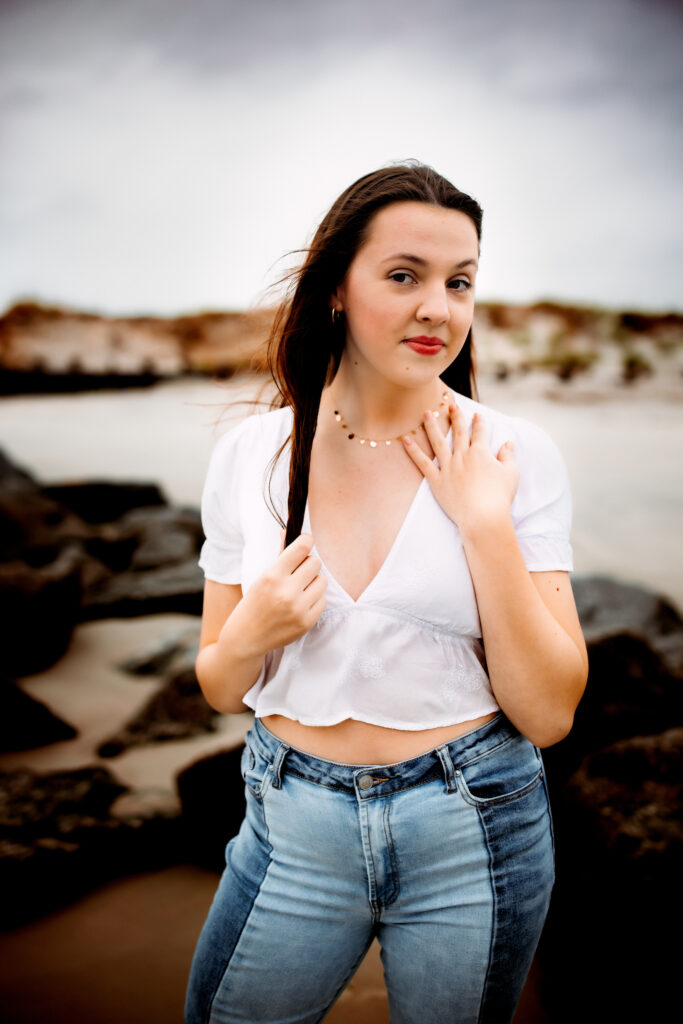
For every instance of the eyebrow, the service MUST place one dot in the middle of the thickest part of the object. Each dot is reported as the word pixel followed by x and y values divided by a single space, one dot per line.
pixel 470 262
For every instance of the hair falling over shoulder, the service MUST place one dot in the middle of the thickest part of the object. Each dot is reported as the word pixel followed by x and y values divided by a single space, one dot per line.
pixel 305 345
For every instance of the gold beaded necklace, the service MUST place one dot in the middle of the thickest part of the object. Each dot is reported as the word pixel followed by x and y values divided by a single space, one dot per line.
pixel 373 443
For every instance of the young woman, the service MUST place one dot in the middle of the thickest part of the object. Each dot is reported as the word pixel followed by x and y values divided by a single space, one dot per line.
pixel 387 587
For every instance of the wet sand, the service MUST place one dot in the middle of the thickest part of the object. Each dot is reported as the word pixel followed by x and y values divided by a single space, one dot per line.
pixel 122 954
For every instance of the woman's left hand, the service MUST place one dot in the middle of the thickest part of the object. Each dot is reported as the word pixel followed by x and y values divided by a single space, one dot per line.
pixel 471 484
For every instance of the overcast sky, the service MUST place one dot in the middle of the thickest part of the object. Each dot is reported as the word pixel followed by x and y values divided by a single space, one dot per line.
pixel 161 155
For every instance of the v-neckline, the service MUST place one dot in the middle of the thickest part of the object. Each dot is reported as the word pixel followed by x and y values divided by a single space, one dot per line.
pixel 401 529
pixel 306 528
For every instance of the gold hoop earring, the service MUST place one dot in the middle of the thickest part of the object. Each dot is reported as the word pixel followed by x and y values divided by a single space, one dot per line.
pixel 335 315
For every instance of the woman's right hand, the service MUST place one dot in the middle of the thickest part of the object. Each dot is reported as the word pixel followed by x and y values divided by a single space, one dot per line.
pixel 283 603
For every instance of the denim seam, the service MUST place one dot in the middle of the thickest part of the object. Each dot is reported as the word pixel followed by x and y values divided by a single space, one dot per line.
pixel 494 916
pixel 246 920
pixel 375 903
pixel 390 843
pixel 485 753
pixel 348 977
pixel 550 815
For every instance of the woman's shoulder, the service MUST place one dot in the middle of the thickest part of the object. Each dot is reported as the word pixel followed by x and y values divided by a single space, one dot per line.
pixel 246 448
pixel 270 428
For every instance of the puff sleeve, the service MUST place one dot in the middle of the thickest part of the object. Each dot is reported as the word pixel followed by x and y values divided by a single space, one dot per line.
pixel 221 554
pixel 542 507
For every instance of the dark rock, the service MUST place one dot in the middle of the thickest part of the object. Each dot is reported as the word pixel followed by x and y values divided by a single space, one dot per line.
pixel 608 951
pixel 176 711
pixel 610 808
pixel 108 554
pixel 630 797
pixel 160 536
pixel 12 474
pixel 175 588
pixel 635 644
pixel 101 501
pixel 608 607
pixel 77 552
pixel 31 521
pixel 27 723
pixel 135 555
pixel 28 799
pixel 40 382
pixel 58 839
pixel 212 796
pixel 39 607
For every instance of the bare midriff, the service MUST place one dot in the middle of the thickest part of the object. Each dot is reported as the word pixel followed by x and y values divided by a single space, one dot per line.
pixel 360 743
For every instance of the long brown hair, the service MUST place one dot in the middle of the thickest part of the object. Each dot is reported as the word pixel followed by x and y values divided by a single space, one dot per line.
pixel 305 346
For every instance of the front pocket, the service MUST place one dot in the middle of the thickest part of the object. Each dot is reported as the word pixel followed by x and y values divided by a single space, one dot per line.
pixel 507 772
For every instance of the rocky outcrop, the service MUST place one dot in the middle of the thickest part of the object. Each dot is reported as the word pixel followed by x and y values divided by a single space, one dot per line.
pixel 100 501
pixel 27 723
pixel 609 950
pixel 176 711
pixel 39 607
pixel 635 650
pixel 58 839
pixel 51 349
pixel 86 550
pixel 616 799
pixel 212 796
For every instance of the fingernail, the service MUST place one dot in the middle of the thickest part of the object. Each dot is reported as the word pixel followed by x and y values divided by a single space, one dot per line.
pixel 407 440
pixel 428 414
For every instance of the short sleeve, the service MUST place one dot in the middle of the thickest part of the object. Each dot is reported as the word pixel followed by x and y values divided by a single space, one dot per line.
pixel 221 554
pixel 542 507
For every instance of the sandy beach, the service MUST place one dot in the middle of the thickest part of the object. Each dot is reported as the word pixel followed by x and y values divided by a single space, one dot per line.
pixel 122 952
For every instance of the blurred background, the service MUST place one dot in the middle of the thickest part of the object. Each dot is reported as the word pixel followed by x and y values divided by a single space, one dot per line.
pixel 161 164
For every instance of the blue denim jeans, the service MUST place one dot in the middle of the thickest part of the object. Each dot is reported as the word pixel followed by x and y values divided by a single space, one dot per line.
pixel 446 858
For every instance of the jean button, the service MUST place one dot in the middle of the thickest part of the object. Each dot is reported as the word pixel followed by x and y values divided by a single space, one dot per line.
pixel 365 782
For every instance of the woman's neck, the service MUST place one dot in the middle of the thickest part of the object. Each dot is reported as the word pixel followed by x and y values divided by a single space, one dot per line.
pixel 380 408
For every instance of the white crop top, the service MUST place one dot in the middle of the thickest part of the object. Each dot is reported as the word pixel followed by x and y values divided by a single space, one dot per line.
pixel 408 653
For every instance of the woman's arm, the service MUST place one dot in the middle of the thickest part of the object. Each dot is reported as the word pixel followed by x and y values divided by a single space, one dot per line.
pixel 224 672
pixel 238 631
pixel 535 651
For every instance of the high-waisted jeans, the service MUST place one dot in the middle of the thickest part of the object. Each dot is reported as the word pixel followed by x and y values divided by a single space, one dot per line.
pixel 446 858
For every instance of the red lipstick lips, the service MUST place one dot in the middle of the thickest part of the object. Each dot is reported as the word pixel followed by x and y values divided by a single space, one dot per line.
pixel 424 345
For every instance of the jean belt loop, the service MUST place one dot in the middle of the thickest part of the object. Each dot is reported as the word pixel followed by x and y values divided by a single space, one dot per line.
pixel 448 770
pixel 278 760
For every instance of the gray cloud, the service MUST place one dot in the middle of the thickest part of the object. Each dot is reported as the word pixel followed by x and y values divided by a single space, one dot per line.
pixel 247 117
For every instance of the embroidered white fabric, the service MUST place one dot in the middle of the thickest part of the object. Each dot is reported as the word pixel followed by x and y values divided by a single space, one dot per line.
pixel 408 653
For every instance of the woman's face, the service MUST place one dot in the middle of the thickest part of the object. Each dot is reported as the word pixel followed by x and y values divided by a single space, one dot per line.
pixel 408 295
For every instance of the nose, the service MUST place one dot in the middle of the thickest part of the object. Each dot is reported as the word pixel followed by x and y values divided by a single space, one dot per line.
pixel 433 307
